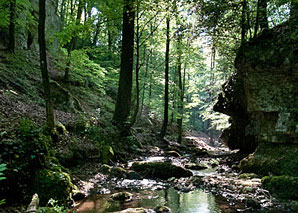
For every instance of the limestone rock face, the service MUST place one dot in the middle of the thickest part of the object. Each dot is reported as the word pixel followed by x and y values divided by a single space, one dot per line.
pixel 262 98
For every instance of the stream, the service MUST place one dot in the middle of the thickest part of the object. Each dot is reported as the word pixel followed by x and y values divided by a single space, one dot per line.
pixel 194 201
pixel 217 188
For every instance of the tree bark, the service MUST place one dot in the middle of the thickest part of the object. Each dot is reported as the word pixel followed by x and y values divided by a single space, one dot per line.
pixel 166 95
pixel 134 116
pixel 263 15
pixel 123 103
pixel 243 20
pixel 43 65
pixel 12 20
pixel 180 92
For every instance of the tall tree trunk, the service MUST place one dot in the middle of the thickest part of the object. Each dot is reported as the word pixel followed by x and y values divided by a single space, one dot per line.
pixel 62 13
pixel 263 15
pixel 243 20
pixel 12 20
pixel 144 83
pixel 166 95
pixel 134 116
pixel 180 93
pixel 261 18
pixel 43 65
pixel 123 103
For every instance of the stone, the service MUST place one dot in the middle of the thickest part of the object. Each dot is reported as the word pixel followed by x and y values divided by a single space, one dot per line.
pixel 194 166
pixel 134 210
pixel 118 172
pixel 294 205
pixel 53 184
pixel 122 196
pixel 248 176
pixel 162 170
pixel 132 175
pixel 285 187
pixel 172 154
pixel 162 209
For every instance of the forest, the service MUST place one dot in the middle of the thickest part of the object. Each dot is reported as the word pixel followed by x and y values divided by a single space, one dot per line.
pixel 137 106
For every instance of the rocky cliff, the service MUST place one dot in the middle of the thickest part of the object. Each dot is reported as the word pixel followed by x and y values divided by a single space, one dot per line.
pixel 262 97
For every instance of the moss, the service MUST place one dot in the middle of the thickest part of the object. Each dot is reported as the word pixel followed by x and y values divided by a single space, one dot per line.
pixel 53 184
pixel 269 158
pixel 162 170
pixel 285 187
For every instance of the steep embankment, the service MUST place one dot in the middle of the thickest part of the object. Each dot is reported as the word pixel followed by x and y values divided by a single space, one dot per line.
pixel 262 100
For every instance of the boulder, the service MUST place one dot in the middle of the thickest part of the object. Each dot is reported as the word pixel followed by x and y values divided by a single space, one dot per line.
pixel 162 209
pixel 53 184
pixel 194 166
pixel 162 170
pixel 134 210
pixel 285 187
pixel 122 196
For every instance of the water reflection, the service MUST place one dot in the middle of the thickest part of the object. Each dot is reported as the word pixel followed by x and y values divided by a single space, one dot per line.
pixel 179 202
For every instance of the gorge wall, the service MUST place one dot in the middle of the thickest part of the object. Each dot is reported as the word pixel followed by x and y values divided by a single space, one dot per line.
pixel 262 97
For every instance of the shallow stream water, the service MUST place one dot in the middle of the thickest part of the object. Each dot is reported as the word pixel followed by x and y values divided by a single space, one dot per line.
pixel 196 201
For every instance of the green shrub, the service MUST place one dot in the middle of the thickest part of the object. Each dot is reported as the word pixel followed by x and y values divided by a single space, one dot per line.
pixel 285 187
pixel 2 168
pixel 53 184
pixel 24 152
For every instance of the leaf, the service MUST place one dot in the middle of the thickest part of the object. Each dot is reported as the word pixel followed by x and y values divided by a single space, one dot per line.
pixel 111 150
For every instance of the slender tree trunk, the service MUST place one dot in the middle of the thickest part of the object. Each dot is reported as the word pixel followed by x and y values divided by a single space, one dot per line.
pixel 180 93
pixel 62 13
pixel 134 116
pixel 71 7
pixel 144 83
pixel 12 20
pixel 243 20
pixel 43 66
pixel 166 95
pixel 123 103
pixel 263 15
pixel 261 18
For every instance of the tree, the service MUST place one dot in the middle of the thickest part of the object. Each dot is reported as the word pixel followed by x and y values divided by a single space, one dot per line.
pixel 166 89
pixel 43 65
pixel 123 102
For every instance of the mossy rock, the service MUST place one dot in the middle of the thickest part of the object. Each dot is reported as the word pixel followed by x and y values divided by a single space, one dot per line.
pixel 134 210
pixel 122 196
pixel 285 187
pixel 248 176
pixel 61 129
pixel 53 184
pixel 162 170
pixel 270 158
pixel 118 172
pixel 162 209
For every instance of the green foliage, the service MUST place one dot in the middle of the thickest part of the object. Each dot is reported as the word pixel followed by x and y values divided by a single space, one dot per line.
pixel 24 151
pixel 53 184
pixel 285 187
pixel 54 208
pixel 2 177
